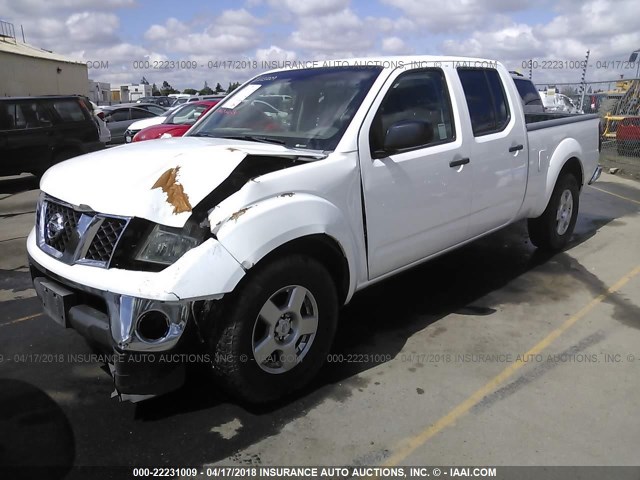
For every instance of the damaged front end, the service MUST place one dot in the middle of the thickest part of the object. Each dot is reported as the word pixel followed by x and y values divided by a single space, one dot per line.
pixel 136 285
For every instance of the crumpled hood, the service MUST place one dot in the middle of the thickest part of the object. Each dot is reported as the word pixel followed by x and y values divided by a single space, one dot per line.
pixel 121 180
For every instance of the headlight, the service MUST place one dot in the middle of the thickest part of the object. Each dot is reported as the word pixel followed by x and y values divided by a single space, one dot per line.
pixel 165 245
pixel 166 135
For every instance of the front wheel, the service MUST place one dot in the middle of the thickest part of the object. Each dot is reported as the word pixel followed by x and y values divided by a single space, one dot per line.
pixel 276 331
pixel 553 229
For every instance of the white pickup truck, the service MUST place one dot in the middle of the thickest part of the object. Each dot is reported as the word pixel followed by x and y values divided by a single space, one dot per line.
pixel 238 243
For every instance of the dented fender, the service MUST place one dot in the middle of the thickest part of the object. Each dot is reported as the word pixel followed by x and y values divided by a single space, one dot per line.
pixel 252 232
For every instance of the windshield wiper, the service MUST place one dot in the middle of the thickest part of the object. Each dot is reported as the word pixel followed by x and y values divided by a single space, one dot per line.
pixel 254 138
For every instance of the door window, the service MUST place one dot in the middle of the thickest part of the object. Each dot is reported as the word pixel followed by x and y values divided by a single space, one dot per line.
pixel 118 115
pixel 137 113
pixel 416 96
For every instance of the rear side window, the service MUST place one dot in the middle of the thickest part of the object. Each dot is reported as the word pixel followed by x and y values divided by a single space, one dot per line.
pixel 69 110
pixel 486 100
pixel 528 92
pixel 139 113
pixel 118 115
pixel 23 115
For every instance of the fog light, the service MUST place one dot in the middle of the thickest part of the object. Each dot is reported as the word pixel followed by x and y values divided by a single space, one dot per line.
pixel 152 326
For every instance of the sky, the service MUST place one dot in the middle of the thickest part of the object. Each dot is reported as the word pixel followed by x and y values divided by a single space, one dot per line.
pixel 120 38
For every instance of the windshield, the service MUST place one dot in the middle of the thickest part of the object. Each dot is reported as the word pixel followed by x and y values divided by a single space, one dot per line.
pixel 186 115
pixel 298 108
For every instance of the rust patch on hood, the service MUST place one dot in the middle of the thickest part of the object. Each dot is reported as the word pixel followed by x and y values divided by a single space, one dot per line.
pixel 174 190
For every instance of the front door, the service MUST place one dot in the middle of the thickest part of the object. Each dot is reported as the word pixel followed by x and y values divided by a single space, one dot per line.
pixel 417 199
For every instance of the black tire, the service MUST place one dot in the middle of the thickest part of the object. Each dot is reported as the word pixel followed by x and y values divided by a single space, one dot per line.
pixel 544 231
pixel 234 337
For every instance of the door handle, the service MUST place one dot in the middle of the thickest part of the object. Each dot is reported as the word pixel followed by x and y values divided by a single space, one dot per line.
pixel 516 148
pixel 457 163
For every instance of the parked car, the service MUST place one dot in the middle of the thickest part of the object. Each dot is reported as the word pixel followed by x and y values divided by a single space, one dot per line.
pixel 158 100
pixel 245 236
pixel 557 102
pixel 628 136
pixel 135 127
pixel 119 118
pixel 37 132
pixel 176 124
pixel 199 98
pixel 98 116
pixel 150 107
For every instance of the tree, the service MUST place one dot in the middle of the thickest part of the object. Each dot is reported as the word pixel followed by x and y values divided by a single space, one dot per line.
pixel 219 88
pixel 167 89
pixel 233 86
pixel 206 90
pixel 190 91
pixel 144 81
pixel 154 90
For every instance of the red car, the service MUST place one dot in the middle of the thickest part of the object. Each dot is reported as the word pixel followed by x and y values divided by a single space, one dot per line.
pixel 628 136
pixel 178 122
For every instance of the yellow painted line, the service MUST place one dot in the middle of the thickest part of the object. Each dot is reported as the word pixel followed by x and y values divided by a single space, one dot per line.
pixel 409 445
pixel 615 195
pixel 22 319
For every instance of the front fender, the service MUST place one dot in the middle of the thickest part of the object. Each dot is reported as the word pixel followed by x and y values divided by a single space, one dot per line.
pixel 252 232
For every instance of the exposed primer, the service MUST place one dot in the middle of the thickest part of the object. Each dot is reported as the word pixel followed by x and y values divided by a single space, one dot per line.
pixel 174 190
pixel 239 213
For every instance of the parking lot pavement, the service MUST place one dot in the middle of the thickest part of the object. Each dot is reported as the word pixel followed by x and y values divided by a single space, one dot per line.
pixel 495 354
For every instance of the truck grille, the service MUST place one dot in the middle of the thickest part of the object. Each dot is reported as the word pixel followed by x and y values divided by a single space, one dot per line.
pixel 78 236
pixel 59 215
pixel 105 240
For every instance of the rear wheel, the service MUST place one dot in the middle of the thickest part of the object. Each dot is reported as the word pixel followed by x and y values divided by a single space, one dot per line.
pixel 553 229
pixel 276 331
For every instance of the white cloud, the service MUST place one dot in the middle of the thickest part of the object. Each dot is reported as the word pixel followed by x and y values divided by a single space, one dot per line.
pixel 274 54
pixel 93 27
pixel 337 34
pixel 453 15
pixel 233 32
pixel 308 8
pixel 394 45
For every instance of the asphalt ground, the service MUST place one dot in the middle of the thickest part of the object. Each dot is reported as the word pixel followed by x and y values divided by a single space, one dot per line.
pixel 495 354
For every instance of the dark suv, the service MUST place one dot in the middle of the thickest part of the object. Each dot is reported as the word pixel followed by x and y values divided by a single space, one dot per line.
pixel 36 132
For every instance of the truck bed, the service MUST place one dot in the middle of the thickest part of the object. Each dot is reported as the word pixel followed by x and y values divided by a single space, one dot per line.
pixel 536 121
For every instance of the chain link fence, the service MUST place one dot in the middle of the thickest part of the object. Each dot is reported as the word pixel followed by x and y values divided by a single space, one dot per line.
pixel 618 105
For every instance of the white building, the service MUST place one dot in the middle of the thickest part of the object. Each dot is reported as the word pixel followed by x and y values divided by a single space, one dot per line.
pixel 130 92
pixel 100 92
pixel 26 70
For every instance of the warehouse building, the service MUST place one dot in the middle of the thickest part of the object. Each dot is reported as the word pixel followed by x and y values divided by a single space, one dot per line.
pixel 29 71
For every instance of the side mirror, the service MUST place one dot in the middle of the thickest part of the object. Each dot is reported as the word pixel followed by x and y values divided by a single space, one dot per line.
pixel 406 134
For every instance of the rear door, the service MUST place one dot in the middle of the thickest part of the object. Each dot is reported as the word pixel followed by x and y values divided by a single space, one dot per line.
pixel 27 129
pixel 499 161
pixel 74 128
pixel 417 200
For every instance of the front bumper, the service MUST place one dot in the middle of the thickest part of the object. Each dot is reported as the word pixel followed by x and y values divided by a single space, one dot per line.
pixel 129 134
pixel 140 366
